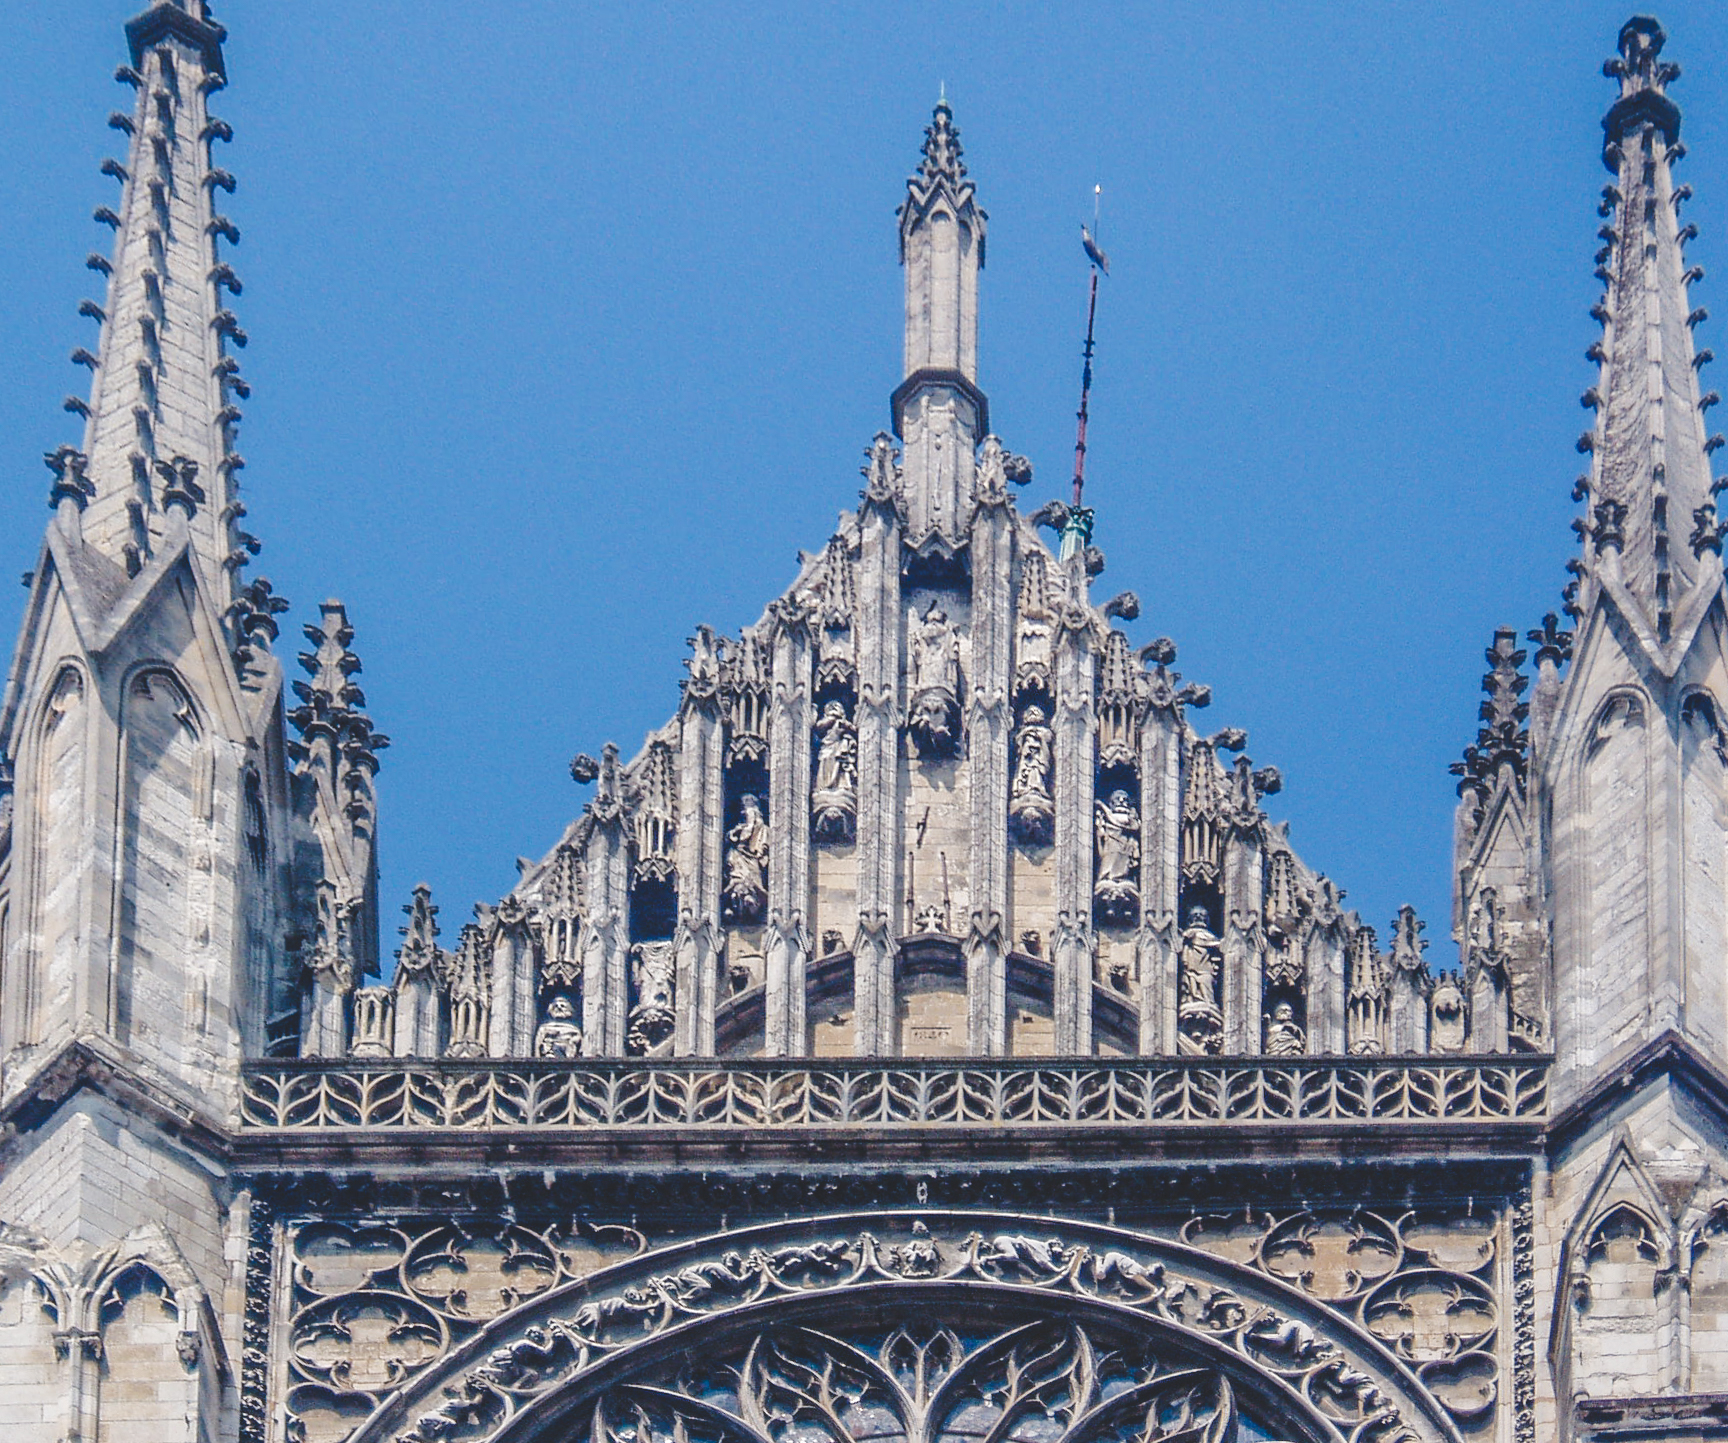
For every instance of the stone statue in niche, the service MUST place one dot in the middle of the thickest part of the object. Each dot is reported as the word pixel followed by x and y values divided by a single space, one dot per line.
pixel 1117 829
pixel 1449 1028
pixel 558 1035
pixel 746 894
pixel 1200 1030
pixel 834 798
pixel 933 715
pixel 652 1018
pixel 1031 807
pixel 1284 1036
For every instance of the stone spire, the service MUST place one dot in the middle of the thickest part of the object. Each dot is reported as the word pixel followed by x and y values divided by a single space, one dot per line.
pixel 939 412
pixel 336 763
pixel 1649 523
pixel 160 421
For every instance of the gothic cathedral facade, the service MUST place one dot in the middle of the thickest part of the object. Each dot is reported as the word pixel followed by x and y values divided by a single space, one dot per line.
pixel 924 1035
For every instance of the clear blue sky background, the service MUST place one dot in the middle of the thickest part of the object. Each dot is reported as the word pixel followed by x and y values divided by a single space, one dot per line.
pixel 570 323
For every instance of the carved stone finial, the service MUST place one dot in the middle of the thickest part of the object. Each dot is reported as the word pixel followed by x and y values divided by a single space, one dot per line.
pixel 180 486
pixel 1643 78
pixel 1553 645
pixel 68 464
pixel 881 472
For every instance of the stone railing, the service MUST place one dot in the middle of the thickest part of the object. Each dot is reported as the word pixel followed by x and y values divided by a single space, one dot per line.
pixel 709 1095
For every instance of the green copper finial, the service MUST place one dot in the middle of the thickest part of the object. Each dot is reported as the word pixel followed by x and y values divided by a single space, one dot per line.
pixel 942 92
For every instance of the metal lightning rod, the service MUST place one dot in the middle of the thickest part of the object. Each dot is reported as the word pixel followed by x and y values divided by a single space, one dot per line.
pixel 1078 532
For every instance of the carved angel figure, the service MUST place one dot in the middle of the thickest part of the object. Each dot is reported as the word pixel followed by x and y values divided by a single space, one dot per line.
pixel 1284 1036
pixel 834 798
pixel 1117 829
pixel 558 1035
pixel 747 864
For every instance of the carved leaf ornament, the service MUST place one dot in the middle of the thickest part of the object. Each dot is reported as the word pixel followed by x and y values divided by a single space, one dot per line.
pixel 927 1328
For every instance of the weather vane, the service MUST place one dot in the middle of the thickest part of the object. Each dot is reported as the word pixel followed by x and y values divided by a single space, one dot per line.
pixel 1077 533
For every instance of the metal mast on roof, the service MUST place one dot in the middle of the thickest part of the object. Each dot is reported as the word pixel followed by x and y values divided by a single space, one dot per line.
pixel 1077 533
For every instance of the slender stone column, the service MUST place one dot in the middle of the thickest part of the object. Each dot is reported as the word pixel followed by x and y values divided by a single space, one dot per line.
pixel 1074 728
pixel 1244 937
pixel 987 739
pixel 1325 954
pixel 510 1025
pixel 605 955
pixel 701 840
pixel 879 626
pixel 1160 868
pixel 788 942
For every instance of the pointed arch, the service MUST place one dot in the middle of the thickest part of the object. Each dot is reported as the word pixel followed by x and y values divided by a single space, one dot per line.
pixel 1707 1259
pixel 1704 871
pixel 164 833
pixel 1614 1262
pixel 1616 780
pixel 52 810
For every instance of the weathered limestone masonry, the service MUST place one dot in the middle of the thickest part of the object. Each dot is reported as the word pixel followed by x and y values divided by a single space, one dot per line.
pixel 925 1034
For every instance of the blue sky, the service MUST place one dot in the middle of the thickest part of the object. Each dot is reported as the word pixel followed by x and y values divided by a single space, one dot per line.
pixel 570 324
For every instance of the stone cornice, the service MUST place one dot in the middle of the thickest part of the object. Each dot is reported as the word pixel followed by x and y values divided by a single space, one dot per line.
pixel 94 1064
pixel 1668 1055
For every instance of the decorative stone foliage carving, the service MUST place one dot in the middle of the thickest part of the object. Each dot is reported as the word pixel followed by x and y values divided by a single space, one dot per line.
pixel 373 1305
pixel 966 1321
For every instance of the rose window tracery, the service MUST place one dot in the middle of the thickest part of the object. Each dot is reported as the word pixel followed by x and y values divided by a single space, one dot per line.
pixel 918 1378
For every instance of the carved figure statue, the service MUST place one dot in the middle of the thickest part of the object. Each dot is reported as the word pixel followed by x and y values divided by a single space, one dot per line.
pixel 935 656
pixel 1449 1027
pixel 747 864
pixel 558 1035
pixel 1201 961
pixel 1031 808
pixel 1284 1037
pixel 933 715
pixel 834 798
pixel 1117 829
pixel 652 1018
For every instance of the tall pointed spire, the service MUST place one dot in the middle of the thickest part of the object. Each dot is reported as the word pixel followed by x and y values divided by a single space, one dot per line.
pixel 160 421
pixel 1650 517
pixel 939 412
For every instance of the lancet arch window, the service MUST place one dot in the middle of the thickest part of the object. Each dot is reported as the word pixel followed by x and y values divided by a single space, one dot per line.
pixel 56 807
